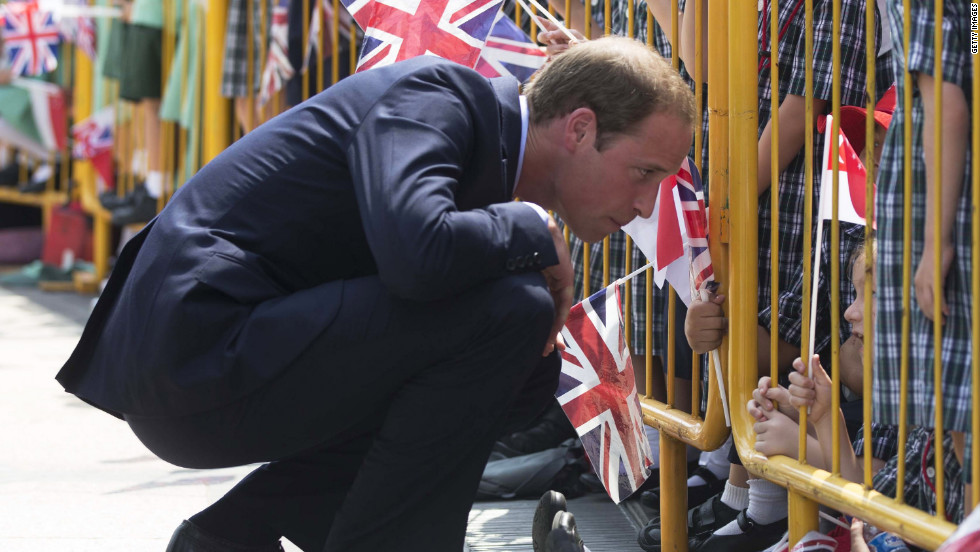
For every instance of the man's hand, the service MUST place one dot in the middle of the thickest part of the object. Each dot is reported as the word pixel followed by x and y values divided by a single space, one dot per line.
pixel 925 285
pixel 559 280
pixel 554 39
pixel 705 324
pixel 857 536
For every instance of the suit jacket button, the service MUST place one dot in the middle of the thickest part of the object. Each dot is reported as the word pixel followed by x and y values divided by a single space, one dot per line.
pixel 536 258
pixel 510 264
pixel 521 262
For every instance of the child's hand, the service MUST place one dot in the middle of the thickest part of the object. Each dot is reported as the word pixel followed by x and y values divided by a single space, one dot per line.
pixel 777 435
pixel 857 536
pixel 810 392
pixel 764 395
pixel 925 285
pixel 554 39
pixel 705 324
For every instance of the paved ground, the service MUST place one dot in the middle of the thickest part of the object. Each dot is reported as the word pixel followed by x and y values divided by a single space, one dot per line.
pixel 75 479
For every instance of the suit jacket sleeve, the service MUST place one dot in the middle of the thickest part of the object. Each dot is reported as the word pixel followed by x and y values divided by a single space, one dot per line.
pixel 406 159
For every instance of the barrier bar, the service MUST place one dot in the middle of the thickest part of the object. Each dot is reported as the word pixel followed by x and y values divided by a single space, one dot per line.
pixel 869 152
pixel 937 313
pixel 975 277
pixel 774 195
pixel 835 244
pixel 335 44
pixel 906 259
pixel 217 136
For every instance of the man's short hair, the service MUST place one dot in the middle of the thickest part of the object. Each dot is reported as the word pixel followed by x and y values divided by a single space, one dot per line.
pixel 620 79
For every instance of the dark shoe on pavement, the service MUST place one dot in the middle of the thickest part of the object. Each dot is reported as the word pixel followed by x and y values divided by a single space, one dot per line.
pixel 702 521
pixel 695 495
pixel 10 174
pixel 550 504
pixel 754 536
pixel 564 535
pixel 190 538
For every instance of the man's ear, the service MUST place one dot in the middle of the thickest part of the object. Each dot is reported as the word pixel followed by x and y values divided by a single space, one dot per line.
pixel 580 128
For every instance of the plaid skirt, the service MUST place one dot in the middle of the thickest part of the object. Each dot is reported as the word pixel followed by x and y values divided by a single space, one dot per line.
pixel 955 347
pixel 234 70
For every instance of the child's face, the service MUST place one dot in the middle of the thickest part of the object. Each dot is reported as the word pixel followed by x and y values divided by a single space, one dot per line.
pixel 855 312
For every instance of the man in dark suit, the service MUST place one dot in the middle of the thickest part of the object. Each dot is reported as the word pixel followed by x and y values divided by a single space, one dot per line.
pixel 349 294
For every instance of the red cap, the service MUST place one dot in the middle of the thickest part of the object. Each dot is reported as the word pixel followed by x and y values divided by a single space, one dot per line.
pixel 852 118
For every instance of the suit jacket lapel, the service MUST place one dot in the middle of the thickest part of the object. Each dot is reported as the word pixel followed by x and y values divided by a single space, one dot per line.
pixel 506 89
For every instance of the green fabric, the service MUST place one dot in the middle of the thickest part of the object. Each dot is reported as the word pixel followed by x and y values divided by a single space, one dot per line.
pixel 15 109
pixel 148 13
pixel 100 91
pixel 183 80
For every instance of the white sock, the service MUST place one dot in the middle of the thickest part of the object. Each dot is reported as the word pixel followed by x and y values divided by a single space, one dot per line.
pixel 42 173
pixel 767 502
pixel 736 498
pixel 154 183
pixel 653 435
pixel 715 461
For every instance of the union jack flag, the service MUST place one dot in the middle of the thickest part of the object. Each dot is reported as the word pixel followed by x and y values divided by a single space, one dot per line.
pixel 509 51
pixel 278 70
pixel 30 38
pixel 93 141
pixel 395 30
pixel 598 394
pixel 79 29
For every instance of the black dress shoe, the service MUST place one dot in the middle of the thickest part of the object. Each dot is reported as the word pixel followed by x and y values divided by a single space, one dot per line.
pixel 695 495
pixel 754 536
pixel 550 503
pixel 142 208
pixel 112 200
pixel 564 535
pixel 190 538
pixel 549 431
pixel 702 521
pixel 10 174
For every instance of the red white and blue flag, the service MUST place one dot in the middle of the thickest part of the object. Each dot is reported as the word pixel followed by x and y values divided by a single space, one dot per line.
pixel 509 51
pixel 675 237
pixel 79 29
pixel 93 141
pixel 598 394
pixel 30 38
pixel 278 69
pixel 396 30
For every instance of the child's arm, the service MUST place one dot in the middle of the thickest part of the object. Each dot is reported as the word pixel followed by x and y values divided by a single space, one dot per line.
pixel 955 129
pixel 792 131
pixel 815 393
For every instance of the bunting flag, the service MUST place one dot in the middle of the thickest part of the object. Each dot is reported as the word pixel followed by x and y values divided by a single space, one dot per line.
pixel 597 391
pixel 509 51
pixel 93 141
pixel 851 182
pixel 48 112
pixel 278 70
pixel 79 29
pixel 675 236
pixel 395 30
pixel 30 38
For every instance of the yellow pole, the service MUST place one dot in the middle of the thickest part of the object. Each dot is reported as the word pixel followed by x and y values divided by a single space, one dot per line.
pixel 586 269
pixel 869 140
pixel 698 162
pixel 353 47
pixel 835 243
pixel 335 43
pixel 218 130
pixel 906 259
pixel 306 40
pixel 774 195
pixel 250 62
pixel 937 314
pixel 83 172
pixel 321 44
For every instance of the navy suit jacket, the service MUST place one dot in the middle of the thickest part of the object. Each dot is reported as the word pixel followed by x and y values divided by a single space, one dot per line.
pixel 405 172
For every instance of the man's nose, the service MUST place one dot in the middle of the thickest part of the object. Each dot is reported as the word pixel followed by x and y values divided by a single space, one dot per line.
pixel 644 205
pixel 853 313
